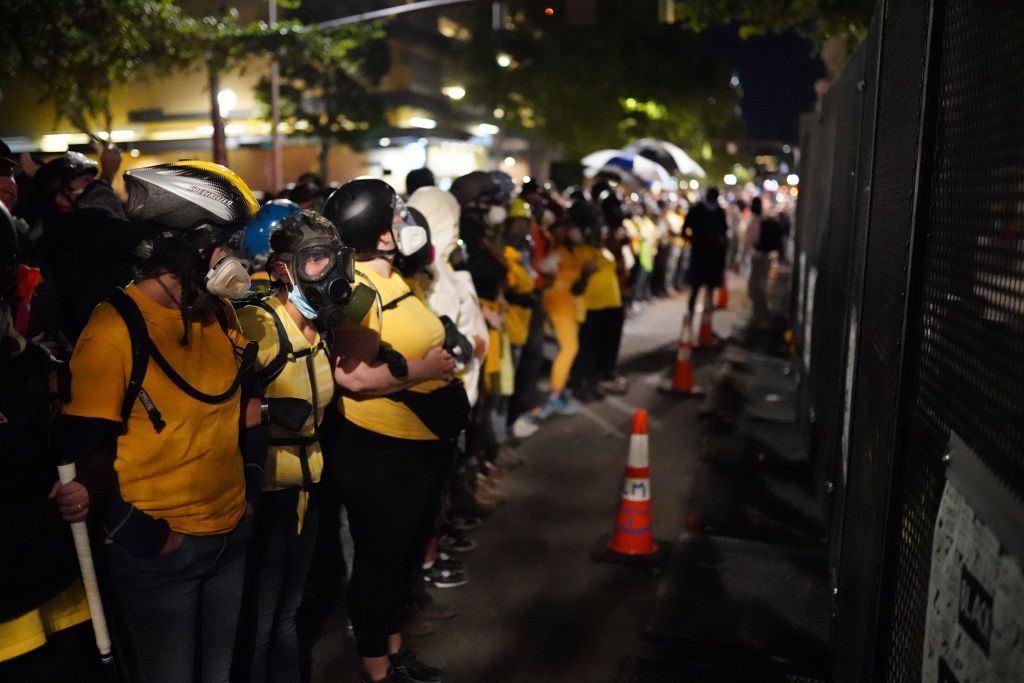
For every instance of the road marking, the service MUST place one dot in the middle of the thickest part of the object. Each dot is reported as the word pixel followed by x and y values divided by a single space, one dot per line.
pixel 623 407
pixel 609 428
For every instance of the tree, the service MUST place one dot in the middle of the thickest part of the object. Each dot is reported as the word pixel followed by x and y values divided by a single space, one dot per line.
pixel 76 56
pixel 603 83
pixel 327 79
pixel 817 20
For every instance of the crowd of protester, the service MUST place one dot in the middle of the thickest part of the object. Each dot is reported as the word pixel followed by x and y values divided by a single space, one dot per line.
pixel 264 400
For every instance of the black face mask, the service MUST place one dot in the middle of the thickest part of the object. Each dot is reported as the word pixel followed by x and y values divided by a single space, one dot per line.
pixel 323 270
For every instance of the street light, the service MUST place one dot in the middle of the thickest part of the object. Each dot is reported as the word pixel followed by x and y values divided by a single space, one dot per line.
pixel 730 178
pixel 504 60
pixel 792 179
pixel 455 92
pixel 226 101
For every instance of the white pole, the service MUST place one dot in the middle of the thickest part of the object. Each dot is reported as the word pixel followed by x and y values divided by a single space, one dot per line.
pixel 80 532
pixel 276 165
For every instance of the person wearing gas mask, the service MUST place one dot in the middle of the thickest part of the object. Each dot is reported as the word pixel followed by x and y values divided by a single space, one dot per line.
pixel 86 240
pixel 295 371
pixel 398 413
pixel 44 630
pixel 165 425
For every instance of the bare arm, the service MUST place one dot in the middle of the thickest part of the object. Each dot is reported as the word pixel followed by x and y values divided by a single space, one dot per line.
pixel 358 371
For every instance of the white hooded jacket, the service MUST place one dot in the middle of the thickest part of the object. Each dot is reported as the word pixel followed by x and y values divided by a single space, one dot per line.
pixel 448 293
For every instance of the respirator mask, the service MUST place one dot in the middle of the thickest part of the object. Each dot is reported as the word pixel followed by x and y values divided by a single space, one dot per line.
pixel 409 237
pixel 496 215
pixel 229 278
pixel 322 271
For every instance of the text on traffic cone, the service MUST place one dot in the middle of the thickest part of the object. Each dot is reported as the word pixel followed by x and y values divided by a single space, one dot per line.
pixel 632 534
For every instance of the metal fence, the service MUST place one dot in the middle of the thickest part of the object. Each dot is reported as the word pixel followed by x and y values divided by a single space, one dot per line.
pixel 909 309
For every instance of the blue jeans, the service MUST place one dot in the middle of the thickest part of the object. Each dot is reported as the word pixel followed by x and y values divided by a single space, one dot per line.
pixel 181 610
pixel 279 560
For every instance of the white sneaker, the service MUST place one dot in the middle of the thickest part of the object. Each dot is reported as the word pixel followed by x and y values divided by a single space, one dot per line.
pixel 525 426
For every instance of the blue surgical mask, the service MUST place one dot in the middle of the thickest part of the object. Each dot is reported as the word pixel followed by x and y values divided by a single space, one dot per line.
pixel 295 296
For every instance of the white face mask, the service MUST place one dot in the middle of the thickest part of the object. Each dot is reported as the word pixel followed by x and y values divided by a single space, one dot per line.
pixel 547 219
pixel 229 278
pixel 409 239
pixel 496 215
pixel 575 235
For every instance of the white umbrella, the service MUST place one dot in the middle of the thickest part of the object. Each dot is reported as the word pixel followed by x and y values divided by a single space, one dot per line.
pixel 646 170
pixel 668 155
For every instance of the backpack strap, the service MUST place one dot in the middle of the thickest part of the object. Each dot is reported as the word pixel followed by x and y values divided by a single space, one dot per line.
pixel 397 300
pixel 138 336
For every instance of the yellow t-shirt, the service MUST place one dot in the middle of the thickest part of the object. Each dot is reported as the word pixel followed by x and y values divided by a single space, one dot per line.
pixel 602 290
pixel 518 280
pixel 559 301
pixel 412 330
pixel 191 473
pixel 28 632
pixel 283 468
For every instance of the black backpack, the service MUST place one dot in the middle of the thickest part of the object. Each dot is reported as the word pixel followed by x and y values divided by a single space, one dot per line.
pixel 143 349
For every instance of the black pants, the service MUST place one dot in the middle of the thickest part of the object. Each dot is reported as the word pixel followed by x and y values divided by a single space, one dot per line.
pixel 600 338
pixel 386 485
pixel 530 367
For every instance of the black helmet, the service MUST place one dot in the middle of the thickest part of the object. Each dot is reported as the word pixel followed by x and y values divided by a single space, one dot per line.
pixel 8 254
pixel 506 187
pixel 55 175
pixel 474 187
pixel 362 210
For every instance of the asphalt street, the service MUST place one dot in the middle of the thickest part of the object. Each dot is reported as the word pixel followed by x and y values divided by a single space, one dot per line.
pixel 536 607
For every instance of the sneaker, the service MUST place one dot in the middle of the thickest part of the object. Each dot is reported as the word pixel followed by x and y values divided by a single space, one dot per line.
pixel 407 663
pixel 615 385
pixel 564 404
pixel 455 542
pixel 466 522
pixel 525 426
pixel 451 564
pixel 444 578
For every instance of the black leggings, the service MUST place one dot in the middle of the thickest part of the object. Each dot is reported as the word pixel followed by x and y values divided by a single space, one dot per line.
pixel 388 486
pixel 600 339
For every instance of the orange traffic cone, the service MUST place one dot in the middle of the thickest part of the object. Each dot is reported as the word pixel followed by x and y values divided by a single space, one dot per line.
pixel 632 541
pixel 682 373
pixel 722 297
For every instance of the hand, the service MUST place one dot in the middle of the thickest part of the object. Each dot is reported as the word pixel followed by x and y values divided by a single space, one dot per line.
pixel 110 162
pixel 172 543
pixel 494 319
pixel 28 164
pixel 72 500
pixel 479 347
pixel 439 364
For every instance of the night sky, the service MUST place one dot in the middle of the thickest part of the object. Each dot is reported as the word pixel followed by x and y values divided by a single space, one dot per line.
pixel 777 74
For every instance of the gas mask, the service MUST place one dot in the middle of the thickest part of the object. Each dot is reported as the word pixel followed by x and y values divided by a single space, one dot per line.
pixel 496 215
pixel 322 272
pixel 409 237
pixel 229 278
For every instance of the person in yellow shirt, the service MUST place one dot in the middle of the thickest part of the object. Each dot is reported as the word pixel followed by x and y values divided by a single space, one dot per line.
pixel 594 371
pixel 296 374
pixel 162 378
pixel 564 306
pixel 382 457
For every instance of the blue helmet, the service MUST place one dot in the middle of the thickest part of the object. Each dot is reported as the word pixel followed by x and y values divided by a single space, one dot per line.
pixel 256 237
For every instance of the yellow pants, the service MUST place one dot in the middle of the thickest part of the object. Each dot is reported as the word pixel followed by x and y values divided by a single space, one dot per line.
pixel 564 315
